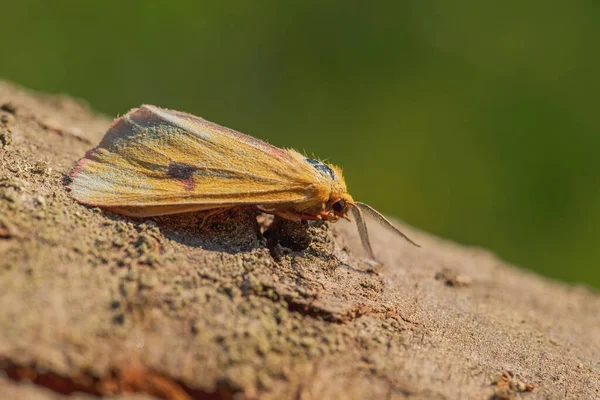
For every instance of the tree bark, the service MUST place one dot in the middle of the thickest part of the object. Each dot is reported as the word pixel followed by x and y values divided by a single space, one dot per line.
pixel 97 304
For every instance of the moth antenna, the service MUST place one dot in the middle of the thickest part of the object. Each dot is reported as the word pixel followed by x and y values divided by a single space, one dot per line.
pixel 382 220
pixel 362 230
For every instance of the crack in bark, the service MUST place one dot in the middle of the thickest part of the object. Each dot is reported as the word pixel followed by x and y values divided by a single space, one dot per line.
pixel 120 380
pixel 357 311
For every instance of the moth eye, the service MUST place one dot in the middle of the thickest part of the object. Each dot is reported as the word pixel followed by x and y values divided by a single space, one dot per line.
pixel 339 206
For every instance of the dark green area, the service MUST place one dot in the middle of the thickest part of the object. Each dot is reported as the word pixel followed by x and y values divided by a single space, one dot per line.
pixel 474 121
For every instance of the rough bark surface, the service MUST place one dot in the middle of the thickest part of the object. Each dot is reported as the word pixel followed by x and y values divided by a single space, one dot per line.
pixel 96 304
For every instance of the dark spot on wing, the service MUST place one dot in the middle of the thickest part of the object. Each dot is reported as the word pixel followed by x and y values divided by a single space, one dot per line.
pixel 322 168
pixel 182 172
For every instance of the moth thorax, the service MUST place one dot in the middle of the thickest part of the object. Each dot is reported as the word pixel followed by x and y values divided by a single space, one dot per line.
pixel 322 168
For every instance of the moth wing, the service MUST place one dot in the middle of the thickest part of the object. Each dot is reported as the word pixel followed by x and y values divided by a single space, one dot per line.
pixel 153 157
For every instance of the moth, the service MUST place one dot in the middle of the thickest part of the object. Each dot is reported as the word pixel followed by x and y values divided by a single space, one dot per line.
pixel 153 161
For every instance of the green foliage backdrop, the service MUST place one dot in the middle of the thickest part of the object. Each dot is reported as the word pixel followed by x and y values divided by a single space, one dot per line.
pixel 473 120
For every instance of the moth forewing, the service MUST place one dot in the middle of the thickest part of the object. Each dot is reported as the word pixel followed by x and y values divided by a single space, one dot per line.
pixel 154 211
pixel 152 158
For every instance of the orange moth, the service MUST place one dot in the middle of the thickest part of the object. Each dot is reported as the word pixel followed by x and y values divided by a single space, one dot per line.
pixel 154 161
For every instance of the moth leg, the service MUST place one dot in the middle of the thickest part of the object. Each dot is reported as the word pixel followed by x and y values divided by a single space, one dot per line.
pixel 302 217
pixel 323 215
pixel 212 213
pixel 294 216
pixel 307 217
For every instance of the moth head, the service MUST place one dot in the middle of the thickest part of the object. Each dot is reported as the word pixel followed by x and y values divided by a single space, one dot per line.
pixel 341 205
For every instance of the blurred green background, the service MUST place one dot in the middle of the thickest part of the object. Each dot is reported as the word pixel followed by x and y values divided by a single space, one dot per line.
pixel 476 121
